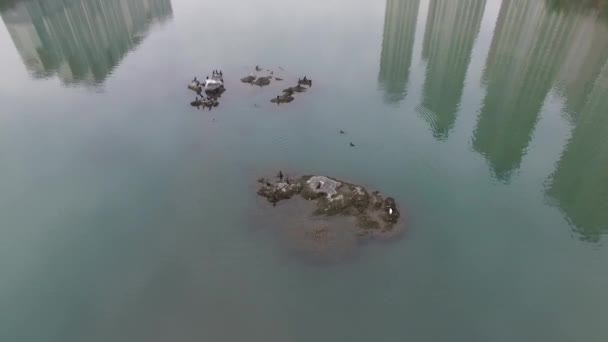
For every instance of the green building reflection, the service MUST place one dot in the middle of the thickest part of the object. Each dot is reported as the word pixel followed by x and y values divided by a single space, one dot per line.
pixel 527 50
pixel 451 29
pixel 579 184
pixel 80 41
pixel 397 45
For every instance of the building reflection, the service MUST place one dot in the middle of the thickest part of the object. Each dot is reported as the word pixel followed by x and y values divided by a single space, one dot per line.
pixel 527 50
pixel 583 63
pixel 397 45
pixel 579 184
pixel 451 29
pixel 80 41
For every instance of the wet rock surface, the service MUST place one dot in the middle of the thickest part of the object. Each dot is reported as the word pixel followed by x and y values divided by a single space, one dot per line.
pixel 339 214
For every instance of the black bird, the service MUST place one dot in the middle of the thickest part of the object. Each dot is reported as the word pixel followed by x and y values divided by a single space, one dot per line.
pixel 287 180
pixel 319 185
pixel 221 74
pixel 280 175
pixel 268 184
pixel 341 132
pixel 351 144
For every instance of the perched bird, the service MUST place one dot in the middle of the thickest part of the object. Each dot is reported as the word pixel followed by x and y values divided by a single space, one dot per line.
pixel 390 211
pixel 319 185
pixel 280 175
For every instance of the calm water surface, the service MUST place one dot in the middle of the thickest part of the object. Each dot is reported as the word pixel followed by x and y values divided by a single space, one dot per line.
pixel 127 215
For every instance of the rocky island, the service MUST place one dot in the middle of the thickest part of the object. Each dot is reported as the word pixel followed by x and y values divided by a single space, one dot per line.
pixel 339 211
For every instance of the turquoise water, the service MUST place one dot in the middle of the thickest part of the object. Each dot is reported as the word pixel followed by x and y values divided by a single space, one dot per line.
pixel 127 215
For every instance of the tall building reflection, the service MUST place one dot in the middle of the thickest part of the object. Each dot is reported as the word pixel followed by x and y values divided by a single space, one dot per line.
pixel 528 47
pixel 585 59
pixel 80 41
pixel 579 184
pixel 397 45
pixel 451 29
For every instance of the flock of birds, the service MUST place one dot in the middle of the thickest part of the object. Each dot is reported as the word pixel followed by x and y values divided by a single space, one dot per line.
pixel 213 87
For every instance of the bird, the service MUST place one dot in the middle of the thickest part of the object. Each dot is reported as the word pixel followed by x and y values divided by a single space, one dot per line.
pixel 268 184
pixel 280 175
pixel 351 144
pixel 390 211
pixel 319 185
pixel 341 132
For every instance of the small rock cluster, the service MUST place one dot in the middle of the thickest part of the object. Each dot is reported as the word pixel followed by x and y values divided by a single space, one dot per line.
pixel 259 81
pixel 211 87
pixel 287 95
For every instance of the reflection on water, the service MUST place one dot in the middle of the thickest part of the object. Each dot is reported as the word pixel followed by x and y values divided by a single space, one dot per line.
pixel 527 49
pixel 451 29
pixel 536 47
pixel 579 183
pixel 397 44
pixel 80 41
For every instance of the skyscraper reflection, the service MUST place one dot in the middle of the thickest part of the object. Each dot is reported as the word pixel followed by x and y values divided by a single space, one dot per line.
pixel 579 184
pixel 397 45
pixel 80 41
pixel 527 50
pixel 451 29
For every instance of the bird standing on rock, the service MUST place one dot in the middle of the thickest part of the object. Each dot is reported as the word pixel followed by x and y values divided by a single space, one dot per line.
pixel 280 175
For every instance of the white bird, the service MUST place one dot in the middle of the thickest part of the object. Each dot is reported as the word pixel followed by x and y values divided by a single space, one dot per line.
pixel 390 211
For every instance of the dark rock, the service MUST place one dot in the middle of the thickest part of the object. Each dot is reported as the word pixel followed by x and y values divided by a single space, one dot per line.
pixel 282 99
pixel 248 79
pixel 262 81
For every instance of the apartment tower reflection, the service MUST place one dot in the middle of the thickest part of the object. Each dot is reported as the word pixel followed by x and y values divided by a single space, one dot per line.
pixel 451 29
pixel 397 45
pixel 580 182
pixel 80 41
pixel 528 47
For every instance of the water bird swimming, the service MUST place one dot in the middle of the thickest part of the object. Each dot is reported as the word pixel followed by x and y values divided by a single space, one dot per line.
pixel 351 144
pixel 341 132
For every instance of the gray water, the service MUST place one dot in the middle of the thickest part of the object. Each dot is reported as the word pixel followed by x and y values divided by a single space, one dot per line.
pixel 128 215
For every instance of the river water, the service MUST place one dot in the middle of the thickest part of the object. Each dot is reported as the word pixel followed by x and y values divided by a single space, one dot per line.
pixel 128 215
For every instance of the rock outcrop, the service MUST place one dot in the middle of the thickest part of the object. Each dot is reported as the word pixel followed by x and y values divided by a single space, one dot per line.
pixel 374 215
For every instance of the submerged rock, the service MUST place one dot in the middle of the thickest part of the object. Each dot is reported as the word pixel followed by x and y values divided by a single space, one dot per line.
pixel 285 98
pixel 372 215
pixel 262 81
pixel 248 79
